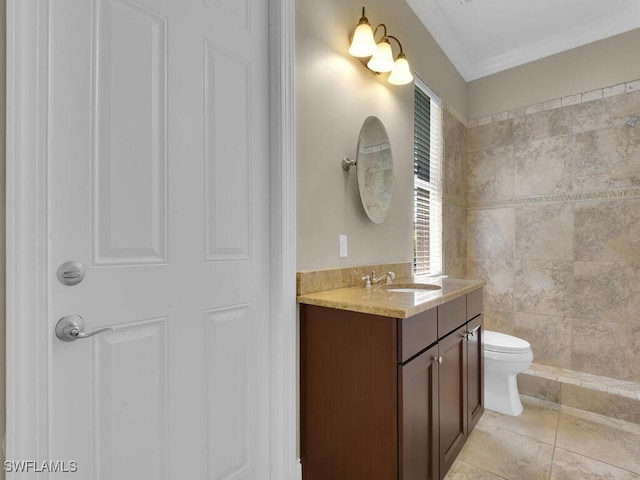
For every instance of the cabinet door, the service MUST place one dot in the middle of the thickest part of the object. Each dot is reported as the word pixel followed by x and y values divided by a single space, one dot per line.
pixel 348 395
pixel 475 373
pixel 452 392
pixel 418 422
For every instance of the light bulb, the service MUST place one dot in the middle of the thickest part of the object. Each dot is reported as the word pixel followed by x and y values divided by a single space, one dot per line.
pixel 401 74
pixel 363 43
pixel 382 59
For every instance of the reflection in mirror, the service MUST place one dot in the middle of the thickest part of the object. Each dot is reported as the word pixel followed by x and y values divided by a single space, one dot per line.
pixel 374 164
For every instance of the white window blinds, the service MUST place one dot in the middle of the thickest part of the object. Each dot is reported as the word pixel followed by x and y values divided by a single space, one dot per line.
pixel 427 181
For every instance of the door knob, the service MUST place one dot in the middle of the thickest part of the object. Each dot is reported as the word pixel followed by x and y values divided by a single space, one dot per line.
pixel 71 328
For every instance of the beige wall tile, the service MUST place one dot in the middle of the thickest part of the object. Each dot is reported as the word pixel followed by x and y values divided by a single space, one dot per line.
pixel 571 100
pixel 552 104
pixel 544 287
pixel 535 108
pixel 615 90
pixel 498 293
pixel 542 388
pixel 608 112
pixel 455 173
pixel 544 232
pixel 454 267
pixel 490 173
pixel 633 86
pixel 607 231
pixel 550 338
pixel 486 120
pixel 490 136
pixel 615 406
pixel 592 95
pixel 498 117
pixel 607 291
pixel 543 166
pixel 542 125
pixel 606 348
pixel 491 233
pixel 607 158
pixel 499 321
pixel 454 231
pixel 455 133
pixel 517 112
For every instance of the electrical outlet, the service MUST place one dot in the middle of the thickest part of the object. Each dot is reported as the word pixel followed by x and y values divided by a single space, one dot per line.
pixel 343 245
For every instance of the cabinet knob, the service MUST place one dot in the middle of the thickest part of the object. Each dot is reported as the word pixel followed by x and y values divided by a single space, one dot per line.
pixel 438 359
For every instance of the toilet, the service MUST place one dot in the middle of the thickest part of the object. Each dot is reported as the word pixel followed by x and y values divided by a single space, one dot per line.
pixel 505 357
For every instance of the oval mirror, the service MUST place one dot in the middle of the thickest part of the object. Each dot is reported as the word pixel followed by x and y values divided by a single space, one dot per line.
pixel 374 165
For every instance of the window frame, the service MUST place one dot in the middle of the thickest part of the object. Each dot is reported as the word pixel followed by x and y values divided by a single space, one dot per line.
pixel 431 263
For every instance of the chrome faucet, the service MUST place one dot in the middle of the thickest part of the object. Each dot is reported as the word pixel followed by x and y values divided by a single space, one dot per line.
pixel 372 280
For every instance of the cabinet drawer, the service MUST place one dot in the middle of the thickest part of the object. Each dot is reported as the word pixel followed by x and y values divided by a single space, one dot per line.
pixel 417 333
pixel 474 303
pixel 451 315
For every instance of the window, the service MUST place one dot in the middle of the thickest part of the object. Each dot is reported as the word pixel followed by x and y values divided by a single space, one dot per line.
pixel 427 182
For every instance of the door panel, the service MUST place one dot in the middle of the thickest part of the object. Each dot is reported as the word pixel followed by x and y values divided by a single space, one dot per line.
pixel 419 425
pixel 475 354
pixel 453 397
pixel 130 381
pixel 227 160
pixel 130 134
pixel 228 381
pixel 158 159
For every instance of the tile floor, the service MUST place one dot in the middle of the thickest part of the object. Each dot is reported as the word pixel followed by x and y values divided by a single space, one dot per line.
pixel 549 442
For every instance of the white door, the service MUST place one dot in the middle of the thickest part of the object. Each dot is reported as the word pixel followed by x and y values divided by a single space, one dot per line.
pixel 158 185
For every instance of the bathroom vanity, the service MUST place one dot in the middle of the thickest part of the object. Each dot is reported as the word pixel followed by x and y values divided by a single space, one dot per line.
pixel 391 384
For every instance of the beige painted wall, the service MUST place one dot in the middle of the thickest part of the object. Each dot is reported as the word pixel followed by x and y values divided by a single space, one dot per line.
pixel 597 65
pixel 334 94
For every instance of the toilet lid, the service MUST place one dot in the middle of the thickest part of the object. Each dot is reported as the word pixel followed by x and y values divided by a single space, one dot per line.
pixel 501 342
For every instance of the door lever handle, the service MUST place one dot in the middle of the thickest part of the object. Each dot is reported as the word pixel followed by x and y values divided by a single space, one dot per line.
pixel 71 328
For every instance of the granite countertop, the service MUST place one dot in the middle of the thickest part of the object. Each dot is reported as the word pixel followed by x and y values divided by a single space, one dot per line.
pixel 377 301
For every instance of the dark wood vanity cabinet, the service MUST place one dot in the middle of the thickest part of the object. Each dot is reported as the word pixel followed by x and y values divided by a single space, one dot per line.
pixel 384 398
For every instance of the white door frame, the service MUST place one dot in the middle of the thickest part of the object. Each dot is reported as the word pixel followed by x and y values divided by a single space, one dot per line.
pixel 27 245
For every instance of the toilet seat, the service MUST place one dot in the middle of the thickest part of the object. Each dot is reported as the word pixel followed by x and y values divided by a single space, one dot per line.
pixel 503 343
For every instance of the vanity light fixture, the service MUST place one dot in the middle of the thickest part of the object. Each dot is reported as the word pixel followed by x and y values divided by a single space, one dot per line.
pixel 381 58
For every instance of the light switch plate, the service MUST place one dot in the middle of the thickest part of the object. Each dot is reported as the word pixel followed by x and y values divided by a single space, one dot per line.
pixel 343 245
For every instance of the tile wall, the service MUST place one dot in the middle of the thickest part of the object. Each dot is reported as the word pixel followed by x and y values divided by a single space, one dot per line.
pixel 553 225
pixel 454 206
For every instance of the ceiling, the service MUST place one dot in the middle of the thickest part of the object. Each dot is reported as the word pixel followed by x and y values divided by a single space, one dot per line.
pixel 482 37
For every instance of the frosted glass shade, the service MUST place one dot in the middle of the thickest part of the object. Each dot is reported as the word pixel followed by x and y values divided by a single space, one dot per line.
pixel 363 43
pixel 401 74
pixel 382 60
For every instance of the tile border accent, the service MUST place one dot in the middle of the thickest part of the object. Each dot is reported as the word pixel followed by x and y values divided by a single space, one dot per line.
pixel 557 198
pixel 577 98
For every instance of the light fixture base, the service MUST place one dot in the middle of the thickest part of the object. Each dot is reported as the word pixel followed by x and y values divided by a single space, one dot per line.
pixel 347 164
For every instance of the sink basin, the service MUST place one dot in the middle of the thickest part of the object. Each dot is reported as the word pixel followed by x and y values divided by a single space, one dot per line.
pixel 410 288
